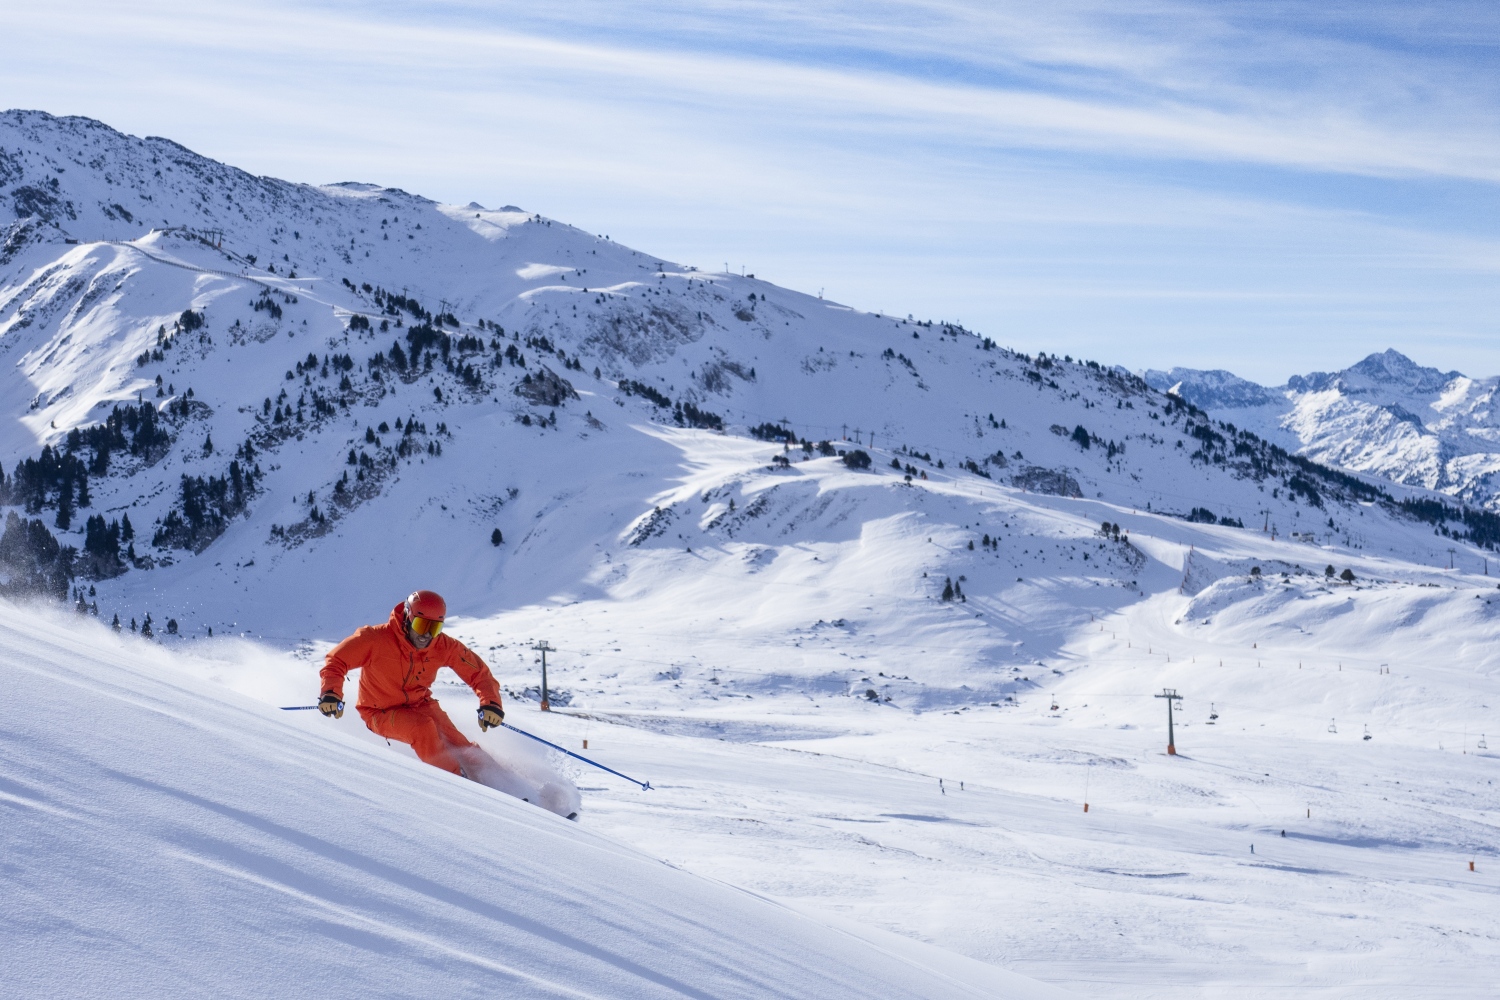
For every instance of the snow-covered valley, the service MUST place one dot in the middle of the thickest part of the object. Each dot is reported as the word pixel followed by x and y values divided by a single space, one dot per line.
pixel 874 603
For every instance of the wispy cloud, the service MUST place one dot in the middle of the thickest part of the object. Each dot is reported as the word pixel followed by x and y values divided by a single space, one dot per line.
pixel 931 157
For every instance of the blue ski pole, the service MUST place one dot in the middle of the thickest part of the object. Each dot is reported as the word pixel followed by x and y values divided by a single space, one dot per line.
pixel 308 708
pixel 645 785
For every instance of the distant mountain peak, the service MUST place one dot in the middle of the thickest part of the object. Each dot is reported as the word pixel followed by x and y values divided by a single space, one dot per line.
pixel 1393 367
pixel 1209 390
pixel 1388 369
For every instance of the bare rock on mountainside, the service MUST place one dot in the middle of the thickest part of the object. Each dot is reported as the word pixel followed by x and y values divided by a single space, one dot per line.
pixel 1035 479
pixel 545 388
pixel 636 335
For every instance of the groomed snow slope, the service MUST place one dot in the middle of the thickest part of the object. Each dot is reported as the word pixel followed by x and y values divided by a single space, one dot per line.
pixel 163 838
pixel 737 680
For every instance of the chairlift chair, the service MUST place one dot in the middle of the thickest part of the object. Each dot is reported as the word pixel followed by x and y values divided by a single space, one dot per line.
pixel 1332 728
pixel 1482 744
pixel 1212 715
pixel 1367 733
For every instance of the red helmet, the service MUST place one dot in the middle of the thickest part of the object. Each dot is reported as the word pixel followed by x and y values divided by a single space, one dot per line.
pixel 426 604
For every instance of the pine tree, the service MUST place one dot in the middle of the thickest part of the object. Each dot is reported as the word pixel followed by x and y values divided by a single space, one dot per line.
pixel 948 589
pixel 65 505
pixel 116 623
pixel 496 537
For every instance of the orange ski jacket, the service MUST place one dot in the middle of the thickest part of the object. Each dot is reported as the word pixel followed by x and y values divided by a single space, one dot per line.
pixel 394 673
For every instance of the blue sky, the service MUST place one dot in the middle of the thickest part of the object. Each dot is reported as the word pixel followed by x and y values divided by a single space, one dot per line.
pixel 1270 188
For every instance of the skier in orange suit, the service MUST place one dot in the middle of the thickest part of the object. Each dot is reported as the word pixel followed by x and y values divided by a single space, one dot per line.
pixel 397 662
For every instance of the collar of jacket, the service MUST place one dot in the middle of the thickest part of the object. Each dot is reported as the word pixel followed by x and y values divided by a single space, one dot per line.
pixel 397 624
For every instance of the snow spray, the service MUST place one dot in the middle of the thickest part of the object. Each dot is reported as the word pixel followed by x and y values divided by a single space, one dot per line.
pixel 523 772
pixel 645 785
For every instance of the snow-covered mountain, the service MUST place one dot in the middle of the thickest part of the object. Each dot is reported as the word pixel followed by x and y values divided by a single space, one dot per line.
pixel 336 385
pixel 1386 416
pixel 801 559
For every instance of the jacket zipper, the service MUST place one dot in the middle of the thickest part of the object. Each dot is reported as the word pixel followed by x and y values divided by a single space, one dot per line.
pixel 411 665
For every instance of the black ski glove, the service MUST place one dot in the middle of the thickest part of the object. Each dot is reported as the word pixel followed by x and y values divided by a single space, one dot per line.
pixel 490 716
pixel 330 704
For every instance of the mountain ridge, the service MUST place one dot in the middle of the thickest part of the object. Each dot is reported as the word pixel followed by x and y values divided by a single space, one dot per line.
pixel 275 430
pixel 1384 416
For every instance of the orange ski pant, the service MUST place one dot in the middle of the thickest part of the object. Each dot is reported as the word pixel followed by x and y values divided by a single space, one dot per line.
pixel 426 728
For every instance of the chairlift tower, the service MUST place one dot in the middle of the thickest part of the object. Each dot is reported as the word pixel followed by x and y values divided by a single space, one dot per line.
pixel 543 648
pixel 1171 695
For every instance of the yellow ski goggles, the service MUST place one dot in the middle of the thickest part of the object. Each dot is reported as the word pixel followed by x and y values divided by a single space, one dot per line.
pixel 426 626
